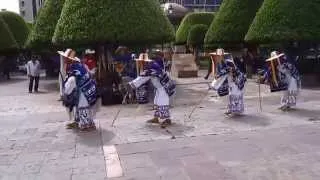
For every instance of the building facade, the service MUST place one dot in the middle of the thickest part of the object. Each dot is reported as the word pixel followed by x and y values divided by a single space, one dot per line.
pixel 29 9
pixel 197 5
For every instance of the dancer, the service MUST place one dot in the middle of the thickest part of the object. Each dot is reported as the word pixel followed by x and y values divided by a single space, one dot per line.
pixel 79 93
pixel 229 80
pixel 282 75
pixel 155 72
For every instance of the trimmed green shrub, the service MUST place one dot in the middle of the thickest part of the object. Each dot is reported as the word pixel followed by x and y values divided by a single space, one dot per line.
pixel 188 21
pixel 30 26
pixel 7 41
pixel 197 34
pixel 285 21
pixel 196 37
pixel 43 30
pixel 232 21
pixel 84 22
pixel 17 26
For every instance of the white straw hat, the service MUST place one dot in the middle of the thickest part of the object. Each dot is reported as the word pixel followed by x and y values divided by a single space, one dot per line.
pixel 219 52
pixel 69 53
pixel 275 55
pixel 89 51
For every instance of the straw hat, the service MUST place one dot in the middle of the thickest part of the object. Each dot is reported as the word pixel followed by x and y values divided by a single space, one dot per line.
pixel 219 52
pixel 77 59
pixel 275 55
pixel 89 51
pixel 143 57
pixel 121 48
pixel 69 53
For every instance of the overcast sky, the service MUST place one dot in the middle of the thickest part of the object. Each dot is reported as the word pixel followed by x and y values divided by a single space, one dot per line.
pixel 10 5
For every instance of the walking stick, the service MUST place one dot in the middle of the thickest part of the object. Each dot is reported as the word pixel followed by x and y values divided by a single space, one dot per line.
pixel 196 106
pixel 119 110
pixel 116 117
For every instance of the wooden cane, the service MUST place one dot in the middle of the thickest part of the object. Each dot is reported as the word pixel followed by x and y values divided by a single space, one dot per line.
pixel 116 116
pixel 199 103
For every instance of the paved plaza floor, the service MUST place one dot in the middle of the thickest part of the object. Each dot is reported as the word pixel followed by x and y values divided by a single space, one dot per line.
pixel 202 144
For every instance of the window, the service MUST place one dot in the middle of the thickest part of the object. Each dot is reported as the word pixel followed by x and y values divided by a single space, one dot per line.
pixel 22 3
pixel 23 13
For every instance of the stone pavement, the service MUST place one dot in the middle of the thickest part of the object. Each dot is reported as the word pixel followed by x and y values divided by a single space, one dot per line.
pixel 34 143
pixel 276 154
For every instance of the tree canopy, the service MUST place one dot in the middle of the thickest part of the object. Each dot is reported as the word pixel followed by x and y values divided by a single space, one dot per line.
pixel 196 34
pixel 43 30
pixel 285 21
pixel 7 41
pixel 188 21
pixel 17 26
pixel 232 21
pixel 124 22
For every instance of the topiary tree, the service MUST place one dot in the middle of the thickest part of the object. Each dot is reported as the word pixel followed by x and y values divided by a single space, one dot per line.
pixel 7 41
pixel 124 22
pixel 30 26
pixel 196 37
pixel 286 21
pixel 96 23
pixel 43 30
pixel 17 26
pixel 232 22
pixel 190 20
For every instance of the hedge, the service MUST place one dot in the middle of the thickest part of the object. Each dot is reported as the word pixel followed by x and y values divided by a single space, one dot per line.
pixel 232 21
pixel 188 21
pixel 285 21
pixel 84 22
pixel 7 41
pixel 30 26
pixel 196 35
pixel 43 30
pixel 17 26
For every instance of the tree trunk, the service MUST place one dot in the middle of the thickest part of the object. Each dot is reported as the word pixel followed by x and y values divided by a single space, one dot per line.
pixel 196 55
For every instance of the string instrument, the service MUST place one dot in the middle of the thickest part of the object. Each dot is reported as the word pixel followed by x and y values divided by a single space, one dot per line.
pixel 276 78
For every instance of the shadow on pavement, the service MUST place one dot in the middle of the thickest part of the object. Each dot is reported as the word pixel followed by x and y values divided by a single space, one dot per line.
pixel 305 113
pixel 52 86
pixel 180 129
pixel 40 92
pixel 253 120
pixel 175 129
pixel 93 138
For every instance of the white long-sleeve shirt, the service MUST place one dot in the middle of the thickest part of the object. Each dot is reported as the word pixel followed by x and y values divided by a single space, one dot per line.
pixel 33 68
pixel 70 86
